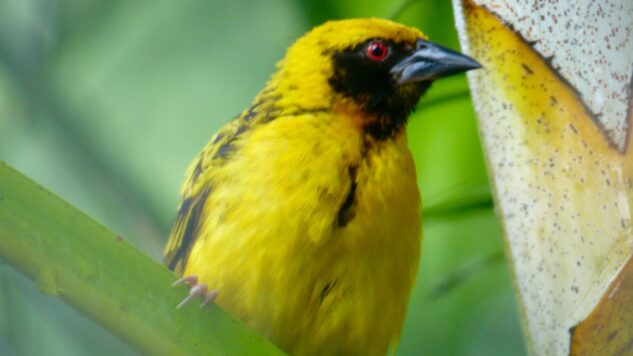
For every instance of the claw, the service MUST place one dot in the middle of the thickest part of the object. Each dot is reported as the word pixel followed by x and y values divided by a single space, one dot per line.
pixel 209 297
pixel 188 280
pixel 195 291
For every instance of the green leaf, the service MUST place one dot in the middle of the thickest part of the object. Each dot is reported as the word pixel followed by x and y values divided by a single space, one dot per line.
pixel 443 138
pixel 76 259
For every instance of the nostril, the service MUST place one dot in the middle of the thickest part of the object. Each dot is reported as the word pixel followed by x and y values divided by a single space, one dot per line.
pixel 421 45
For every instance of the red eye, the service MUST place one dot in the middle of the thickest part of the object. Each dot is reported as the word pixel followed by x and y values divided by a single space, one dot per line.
pixel 377 51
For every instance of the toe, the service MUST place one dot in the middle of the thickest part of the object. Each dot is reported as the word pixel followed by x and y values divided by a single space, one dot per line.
pixel 188 280
pixel 209 297
pixel 195 291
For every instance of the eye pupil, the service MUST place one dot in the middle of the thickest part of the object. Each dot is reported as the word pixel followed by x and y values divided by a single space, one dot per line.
pixel 377 51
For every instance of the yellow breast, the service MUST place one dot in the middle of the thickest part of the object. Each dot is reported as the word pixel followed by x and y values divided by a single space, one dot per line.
pixel 283 256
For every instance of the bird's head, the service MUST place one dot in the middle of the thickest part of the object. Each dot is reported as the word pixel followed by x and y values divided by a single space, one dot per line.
pixel 371 69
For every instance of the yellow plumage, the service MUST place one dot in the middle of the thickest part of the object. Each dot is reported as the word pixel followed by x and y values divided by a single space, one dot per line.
pixel 303 212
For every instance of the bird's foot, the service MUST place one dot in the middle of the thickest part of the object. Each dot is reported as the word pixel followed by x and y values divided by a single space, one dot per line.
pixel 196 290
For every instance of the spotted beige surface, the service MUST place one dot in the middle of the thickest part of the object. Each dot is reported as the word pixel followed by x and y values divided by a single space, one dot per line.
pixel 589 43
pixel 563 185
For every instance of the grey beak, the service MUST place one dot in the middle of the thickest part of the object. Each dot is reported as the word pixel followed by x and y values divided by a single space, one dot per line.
pixel 430 61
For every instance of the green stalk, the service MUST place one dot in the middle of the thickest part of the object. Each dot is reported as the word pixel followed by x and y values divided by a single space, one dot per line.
pixel 76 259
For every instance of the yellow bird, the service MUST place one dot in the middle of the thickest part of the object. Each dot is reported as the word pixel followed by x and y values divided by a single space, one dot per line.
pixel 302 215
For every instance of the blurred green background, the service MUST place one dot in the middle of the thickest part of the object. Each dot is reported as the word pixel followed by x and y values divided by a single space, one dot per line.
pixel 107 102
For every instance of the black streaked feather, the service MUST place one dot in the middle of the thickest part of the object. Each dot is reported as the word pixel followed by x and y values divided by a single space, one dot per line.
pixel 224 150
pixel 188 219
pixel 327 289
pixel 347 212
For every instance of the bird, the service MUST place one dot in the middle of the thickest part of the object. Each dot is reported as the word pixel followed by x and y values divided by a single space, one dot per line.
pixel 302 215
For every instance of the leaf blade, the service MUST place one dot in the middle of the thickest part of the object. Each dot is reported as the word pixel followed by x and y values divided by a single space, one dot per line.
pixel 87 266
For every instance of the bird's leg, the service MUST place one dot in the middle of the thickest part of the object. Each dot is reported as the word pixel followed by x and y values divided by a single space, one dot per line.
pixel 195 291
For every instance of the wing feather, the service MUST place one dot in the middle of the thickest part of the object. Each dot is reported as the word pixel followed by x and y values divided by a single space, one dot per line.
pixel 197 188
